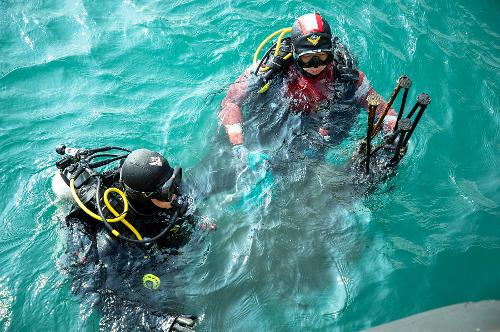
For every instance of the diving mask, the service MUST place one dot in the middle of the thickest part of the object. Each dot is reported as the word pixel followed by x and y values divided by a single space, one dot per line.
pixel 314 59
pixel 170 188
pixel 165 192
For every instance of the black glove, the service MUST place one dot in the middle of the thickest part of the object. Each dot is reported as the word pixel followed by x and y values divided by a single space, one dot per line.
pixel 276 62
pixel 183 324
pixel 347 74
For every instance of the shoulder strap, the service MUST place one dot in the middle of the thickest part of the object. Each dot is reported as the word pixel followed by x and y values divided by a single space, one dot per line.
pixel 272 65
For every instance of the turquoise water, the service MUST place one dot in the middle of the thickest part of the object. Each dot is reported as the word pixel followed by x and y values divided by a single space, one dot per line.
pixel 141 73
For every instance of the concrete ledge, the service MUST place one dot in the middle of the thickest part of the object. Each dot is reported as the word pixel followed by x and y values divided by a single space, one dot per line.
pixel 481 316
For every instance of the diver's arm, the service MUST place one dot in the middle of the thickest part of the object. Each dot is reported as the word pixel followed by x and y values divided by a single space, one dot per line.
pixel 230 114
pixel 363 90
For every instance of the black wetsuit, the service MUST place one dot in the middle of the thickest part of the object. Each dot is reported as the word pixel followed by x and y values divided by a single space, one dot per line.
pixel 108 272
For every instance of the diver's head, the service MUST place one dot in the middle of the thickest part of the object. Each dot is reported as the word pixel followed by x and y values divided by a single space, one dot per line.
pixel 149 179
pixel 312 43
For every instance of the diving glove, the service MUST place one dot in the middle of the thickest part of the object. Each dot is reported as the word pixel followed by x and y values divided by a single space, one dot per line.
pixel 276 63
pixel 347 74
pixel 184 324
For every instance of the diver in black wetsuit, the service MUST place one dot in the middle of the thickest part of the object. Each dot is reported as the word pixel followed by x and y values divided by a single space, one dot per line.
pixel 123 268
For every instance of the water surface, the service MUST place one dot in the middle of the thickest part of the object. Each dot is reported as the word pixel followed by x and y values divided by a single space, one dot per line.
pixel 142 73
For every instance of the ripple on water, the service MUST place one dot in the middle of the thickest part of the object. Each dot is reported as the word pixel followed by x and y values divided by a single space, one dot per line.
pixel 6 302
pixel 136 73
pixel 45 35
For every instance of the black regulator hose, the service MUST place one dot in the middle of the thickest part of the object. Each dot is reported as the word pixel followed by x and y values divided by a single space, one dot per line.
pixel 107 148
pixel 109 155
pixel 264 58
pixel 78 153
pixel 104 162
pixel 173 220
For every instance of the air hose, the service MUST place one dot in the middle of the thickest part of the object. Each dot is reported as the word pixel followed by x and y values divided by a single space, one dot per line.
pixel 269 69
pixel 118 217
pixel 282 32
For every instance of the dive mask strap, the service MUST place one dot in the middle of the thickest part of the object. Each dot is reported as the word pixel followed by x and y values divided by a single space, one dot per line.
pixel 171 187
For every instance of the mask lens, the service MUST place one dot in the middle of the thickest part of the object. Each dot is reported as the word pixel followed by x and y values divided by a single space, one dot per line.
pixel 306 57
pixel 171 187
pixel 314 59
pixel 323 56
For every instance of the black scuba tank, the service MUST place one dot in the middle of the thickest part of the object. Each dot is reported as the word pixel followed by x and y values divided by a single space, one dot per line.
pixel 85 184
pixel 86 187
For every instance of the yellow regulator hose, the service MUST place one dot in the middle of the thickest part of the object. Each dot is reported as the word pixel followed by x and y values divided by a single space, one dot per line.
pixel 119 217
pixel 282 33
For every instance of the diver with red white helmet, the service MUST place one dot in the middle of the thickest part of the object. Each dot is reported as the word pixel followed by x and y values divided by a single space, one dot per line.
pixel 312 72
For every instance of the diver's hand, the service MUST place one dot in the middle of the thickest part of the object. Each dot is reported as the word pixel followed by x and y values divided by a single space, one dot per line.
pixel 254 160
pixel 347 74
pixel 234 133
pixel 184 324
pixel 276 62
pixel 240 152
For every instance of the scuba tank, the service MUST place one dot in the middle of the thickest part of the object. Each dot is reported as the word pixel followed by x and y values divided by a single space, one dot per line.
pixel 74 166
pixel 85 185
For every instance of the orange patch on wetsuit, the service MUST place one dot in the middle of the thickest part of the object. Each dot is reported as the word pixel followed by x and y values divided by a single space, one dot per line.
pixel 307 93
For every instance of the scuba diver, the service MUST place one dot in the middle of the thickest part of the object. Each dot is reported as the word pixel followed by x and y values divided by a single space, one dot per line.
pixel 128 221
pixel 304 96
pixel 313 71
